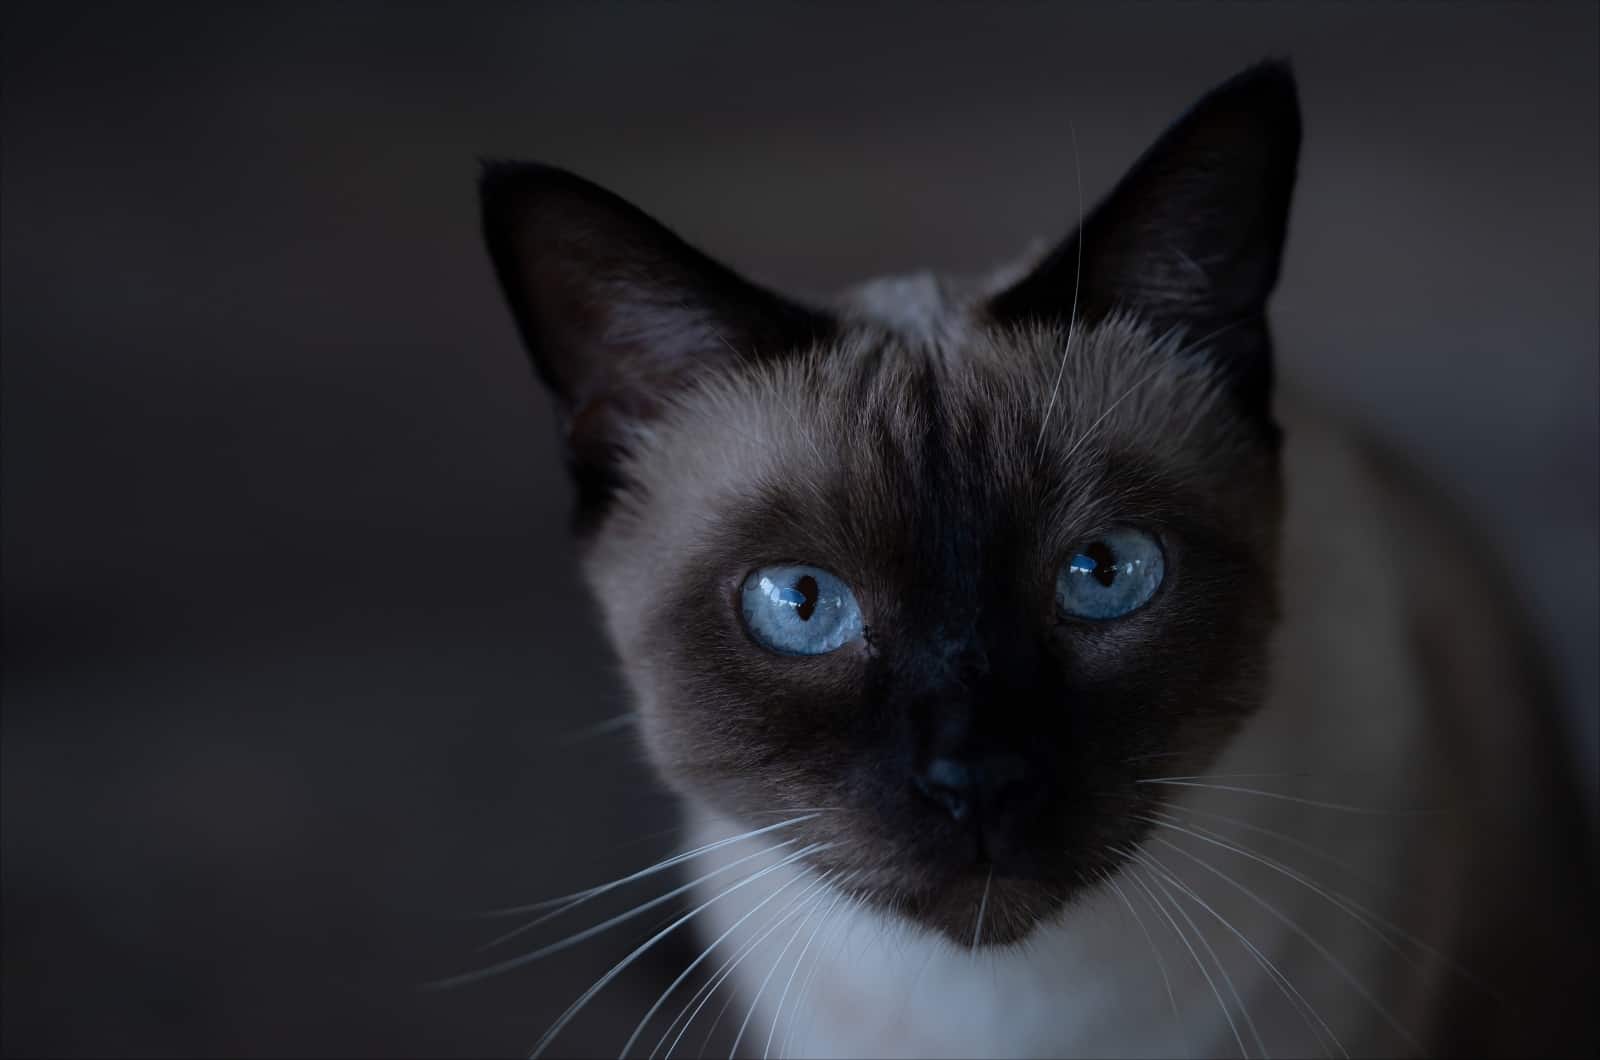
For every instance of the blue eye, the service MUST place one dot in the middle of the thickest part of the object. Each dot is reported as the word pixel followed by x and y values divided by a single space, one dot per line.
pixel 1110 576
pixel 800 610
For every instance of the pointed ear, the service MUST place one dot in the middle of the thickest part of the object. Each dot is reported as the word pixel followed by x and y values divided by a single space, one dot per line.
pixel 1193 235
pixel 617 311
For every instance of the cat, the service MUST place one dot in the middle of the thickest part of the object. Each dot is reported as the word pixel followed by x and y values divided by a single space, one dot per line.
pixel 1036 678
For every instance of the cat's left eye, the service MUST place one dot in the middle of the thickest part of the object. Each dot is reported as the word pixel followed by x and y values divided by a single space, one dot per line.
pixel 1110 576
pixel 799 610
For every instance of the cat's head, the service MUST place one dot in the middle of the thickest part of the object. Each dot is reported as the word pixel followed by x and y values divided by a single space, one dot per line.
pixel 953 569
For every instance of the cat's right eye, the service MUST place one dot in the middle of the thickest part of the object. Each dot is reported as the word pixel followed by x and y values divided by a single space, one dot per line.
pixel 799 610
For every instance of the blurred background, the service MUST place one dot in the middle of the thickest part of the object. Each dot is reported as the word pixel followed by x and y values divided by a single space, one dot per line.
pixel 297 668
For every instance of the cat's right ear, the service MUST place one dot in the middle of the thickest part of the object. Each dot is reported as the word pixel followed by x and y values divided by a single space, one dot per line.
pixel 1192 237
pixel 617 312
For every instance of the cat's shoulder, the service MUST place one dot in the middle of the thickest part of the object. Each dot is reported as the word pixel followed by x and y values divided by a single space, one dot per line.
pixel 1488 707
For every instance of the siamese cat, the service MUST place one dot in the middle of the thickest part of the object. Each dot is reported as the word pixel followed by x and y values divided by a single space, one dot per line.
pixel 1037 679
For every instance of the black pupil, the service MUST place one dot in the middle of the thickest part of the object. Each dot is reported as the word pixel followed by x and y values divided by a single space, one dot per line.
pixel 808 588
pixel 1105 563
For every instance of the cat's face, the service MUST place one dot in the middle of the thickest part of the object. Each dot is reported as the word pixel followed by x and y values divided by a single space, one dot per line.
pixel 973 723
pixel 953 572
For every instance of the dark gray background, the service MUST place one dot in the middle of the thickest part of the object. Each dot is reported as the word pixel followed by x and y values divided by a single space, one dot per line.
pixel 294 647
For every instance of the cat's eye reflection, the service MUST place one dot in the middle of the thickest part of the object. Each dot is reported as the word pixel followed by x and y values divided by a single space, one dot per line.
pixel 799 610
pixel 1111 576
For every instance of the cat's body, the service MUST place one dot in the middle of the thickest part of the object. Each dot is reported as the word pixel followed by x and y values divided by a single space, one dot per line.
pixel 1069 676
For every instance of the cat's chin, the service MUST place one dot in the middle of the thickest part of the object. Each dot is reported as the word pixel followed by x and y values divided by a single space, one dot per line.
pixel 978 910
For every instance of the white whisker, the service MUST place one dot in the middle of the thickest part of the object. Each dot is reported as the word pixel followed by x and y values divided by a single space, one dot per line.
pixel 1162 363
pixel 1285 987
pixel 1161 964
pixel 1227 980
pixel 1283 837
pixel 1105 413
pixel 805 984
pixel 777 1013
pixel 1285 798
pixel 1077 283
pixel 1358 912
pixel 1333 961
pixel 727 1002
pixel 591 932
pixel 1226 1015
pixel 983 904
pixel 622 965
pixel 755 1002
pixel 704 993
pixel 577 898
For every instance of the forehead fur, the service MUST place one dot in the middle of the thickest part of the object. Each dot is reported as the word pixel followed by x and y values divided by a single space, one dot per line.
pixel 1070 427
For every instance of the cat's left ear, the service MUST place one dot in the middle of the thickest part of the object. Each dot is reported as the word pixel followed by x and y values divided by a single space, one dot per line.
pixel 1193 236
pixel 617 312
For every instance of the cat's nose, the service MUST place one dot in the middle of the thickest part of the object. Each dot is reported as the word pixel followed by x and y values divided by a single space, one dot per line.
pixel 961 786
pixel 950 784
